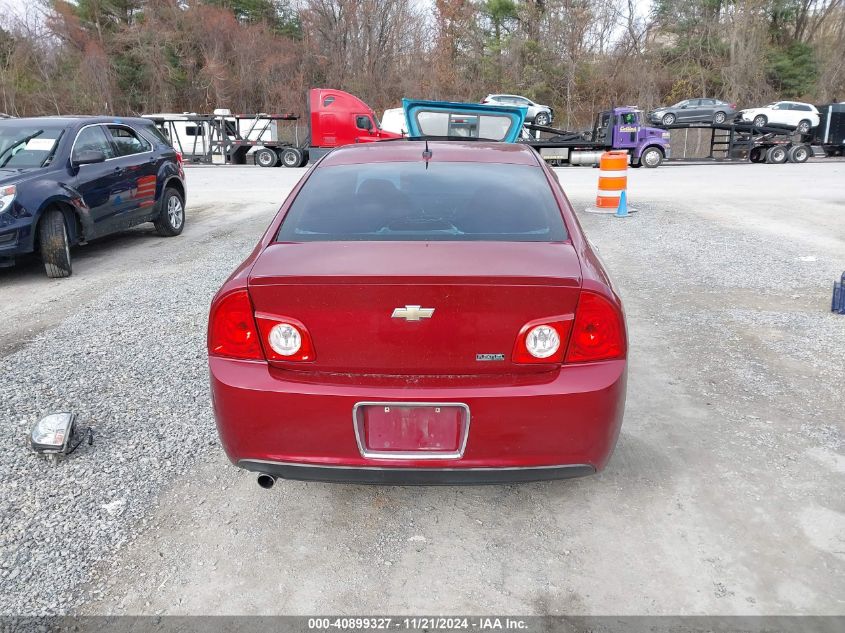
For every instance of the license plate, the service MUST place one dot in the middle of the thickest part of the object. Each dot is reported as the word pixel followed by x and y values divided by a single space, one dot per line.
pixel 411 430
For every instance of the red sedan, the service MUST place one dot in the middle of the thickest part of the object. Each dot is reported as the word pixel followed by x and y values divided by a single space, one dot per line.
pixel 420 314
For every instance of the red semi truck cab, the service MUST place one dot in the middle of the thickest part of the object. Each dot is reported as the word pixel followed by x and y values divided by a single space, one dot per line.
pixel 339 118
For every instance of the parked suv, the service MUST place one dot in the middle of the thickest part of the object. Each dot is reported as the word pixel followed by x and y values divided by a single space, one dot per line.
pixel 801 116
pixel 67 180
pixel 703 110
pixel 537 114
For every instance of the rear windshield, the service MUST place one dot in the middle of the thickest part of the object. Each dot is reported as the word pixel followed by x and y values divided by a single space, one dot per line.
pixel 407 201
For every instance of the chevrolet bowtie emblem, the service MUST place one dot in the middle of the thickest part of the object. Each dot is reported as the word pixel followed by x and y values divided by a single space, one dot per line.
pixel 412 313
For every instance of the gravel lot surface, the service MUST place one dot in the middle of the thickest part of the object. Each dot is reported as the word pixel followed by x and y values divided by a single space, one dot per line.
pixel 724 495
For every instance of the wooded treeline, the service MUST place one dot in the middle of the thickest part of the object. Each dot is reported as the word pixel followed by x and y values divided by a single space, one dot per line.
pixel 137 56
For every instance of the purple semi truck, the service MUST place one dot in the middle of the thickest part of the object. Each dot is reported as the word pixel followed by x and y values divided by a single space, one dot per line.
pixel 618 129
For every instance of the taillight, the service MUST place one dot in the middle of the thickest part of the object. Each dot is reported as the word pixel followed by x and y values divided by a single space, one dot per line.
pixel 231 328
pixel 179 158
pixel 284 338
pixel 598 332
pixel 542 341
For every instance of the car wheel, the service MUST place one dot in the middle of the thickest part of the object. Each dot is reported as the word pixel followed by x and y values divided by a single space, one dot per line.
pixel 803 127
pixel 651 158
pixel 171 218
pixel 760 120
pixel 668 119
pixel 55 244
pixel 291 157
pixel 719 117
pixel 266 157
pixel 757 155
pixel 798 154
pixel 542 118
pixel 776 155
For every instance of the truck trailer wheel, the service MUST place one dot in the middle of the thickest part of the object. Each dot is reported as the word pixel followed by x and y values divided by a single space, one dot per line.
pixel 266 157
pixel 757 155
pixel 291 157
pixel 798 154
pixel 651 158
pixel 776 155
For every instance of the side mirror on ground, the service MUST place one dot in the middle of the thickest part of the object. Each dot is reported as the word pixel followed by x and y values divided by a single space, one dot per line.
pixel 89 157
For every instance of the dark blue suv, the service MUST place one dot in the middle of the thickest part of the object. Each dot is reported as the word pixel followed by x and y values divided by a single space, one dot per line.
pixel 67 180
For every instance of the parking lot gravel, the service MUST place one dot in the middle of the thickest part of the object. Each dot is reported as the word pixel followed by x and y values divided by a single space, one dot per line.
pixel 724 495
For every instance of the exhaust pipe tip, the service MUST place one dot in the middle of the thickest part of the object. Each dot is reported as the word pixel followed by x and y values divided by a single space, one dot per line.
pixel 266 481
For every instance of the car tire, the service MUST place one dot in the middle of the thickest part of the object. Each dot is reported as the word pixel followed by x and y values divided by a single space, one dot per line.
pixel 54 244
pixel 719 117
pixel 776 155
pixel 542 118
pixel 668 119
pixel 798 154
pixel 804 127
pixel 291 157
pixel 652 157
pixel 760 120
pixel 266 157
pixel 757 155
pixel 171 218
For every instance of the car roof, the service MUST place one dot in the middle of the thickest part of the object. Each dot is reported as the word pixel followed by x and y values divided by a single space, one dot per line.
pixel 70 120
pixel 441 151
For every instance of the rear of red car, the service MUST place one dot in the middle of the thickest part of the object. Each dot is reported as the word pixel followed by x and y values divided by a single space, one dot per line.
pixel 420 314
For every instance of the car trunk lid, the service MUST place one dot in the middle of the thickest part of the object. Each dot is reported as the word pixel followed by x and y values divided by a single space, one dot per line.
pixel 365 304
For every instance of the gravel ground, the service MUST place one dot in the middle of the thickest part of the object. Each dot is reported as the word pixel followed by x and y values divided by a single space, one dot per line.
pixel 131 363
pixel 724 495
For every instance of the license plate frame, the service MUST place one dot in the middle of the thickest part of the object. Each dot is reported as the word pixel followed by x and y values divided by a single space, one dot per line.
pixel 358 421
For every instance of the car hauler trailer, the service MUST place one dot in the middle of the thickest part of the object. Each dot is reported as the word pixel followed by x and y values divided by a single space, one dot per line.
pixel 621 128
pixel 336 118
pixel 743 141
pixel 226 138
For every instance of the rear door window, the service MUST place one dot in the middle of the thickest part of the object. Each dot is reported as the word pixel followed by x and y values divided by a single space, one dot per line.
pixel 126 142
pixel 411 202
pixel 154 132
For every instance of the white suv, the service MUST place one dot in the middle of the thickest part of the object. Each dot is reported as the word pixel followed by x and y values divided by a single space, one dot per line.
pixel 801 116
pixel 539 114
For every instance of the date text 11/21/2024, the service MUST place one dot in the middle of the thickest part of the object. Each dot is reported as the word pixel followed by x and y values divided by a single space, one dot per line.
pixel 418 623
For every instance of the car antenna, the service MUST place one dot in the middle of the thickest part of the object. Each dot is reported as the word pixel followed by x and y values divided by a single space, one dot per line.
pixel 426 154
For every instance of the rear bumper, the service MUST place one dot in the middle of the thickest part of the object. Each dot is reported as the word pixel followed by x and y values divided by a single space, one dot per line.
pixel 415 476
pixel 524 428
